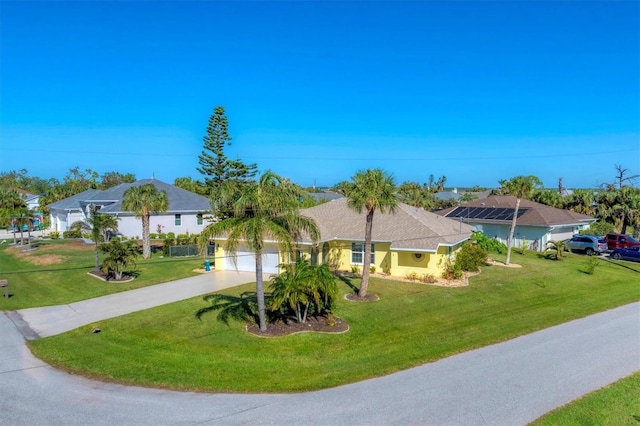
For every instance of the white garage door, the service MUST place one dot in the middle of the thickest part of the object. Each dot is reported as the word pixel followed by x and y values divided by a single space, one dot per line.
pixel 246 261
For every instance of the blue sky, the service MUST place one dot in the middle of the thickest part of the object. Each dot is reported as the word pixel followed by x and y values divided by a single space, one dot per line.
pixel 315 91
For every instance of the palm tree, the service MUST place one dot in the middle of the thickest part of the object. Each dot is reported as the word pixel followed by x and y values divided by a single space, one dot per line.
pixel 264 209
pixel 372 190
pixel 558 248
pixel 624 206
pixel 98 224
pixel 142 201
pixel 519 187
pixel 302 286
pixel 22 219
pixel 119 255
pixel 582 201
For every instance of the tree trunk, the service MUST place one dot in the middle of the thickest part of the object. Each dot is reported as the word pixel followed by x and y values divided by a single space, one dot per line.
pixel 260 291
pixel 512 231
pixel 625 223
pixel 366 262
pixel 146 242
pixel 97 265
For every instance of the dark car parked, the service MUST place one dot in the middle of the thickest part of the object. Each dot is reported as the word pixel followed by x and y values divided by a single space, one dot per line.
pixel 631 253
pixel 615 241
pixel 588 244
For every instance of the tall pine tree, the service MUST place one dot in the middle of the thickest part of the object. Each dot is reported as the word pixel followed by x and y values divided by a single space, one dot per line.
pixel 218 170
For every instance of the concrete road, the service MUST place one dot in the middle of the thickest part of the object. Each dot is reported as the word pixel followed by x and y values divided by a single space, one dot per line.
pixel 511 383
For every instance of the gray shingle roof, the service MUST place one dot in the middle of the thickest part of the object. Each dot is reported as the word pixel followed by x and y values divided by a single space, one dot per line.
pixel 410 228
pixel 180 200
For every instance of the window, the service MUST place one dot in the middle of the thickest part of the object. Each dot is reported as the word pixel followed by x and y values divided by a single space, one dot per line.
pixel 199 219
pixel 357 253
pixel 178 221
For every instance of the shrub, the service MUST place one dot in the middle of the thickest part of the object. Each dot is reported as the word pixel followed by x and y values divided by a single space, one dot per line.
pixel 452 270
pixel 71 234
pixel 372 269
pixel 429 278
pixel 412 276
pixel 182 239
pixel 592 263
pixel 54 235
pixel 153 236
pixel 489 244
pixel 355 269
pixel 471 257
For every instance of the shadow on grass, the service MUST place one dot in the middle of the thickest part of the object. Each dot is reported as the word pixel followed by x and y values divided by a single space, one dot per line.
pixel 623 264
pixel 348 282
pixel 238 308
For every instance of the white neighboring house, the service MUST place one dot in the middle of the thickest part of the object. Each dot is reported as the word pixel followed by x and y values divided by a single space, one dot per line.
pixel 184 216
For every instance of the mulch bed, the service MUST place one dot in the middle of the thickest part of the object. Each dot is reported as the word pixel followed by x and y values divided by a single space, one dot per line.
pixel 368 298
pixel 318 324
pixel 109 277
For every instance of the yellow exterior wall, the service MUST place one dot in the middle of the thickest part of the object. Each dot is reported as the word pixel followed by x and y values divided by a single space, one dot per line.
pixel 405 263
pixel 337 254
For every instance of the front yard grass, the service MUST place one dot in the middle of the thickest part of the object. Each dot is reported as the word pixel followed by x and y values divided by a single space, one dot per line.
pixel 56 273
pixel 411 324
pixel 615 405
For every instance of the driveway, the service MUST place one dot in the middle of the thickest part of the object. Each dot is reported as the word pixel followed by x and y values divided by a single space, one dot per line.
pixel 510 383
pixel 52 320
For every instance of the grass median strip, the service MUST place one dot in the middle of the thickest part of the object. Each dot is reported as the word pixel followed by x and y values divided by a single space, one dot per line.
pixel 411 324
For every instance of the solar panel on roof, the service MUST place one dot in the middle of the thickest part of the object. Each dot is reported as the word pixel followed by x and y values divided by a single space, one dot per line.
pixel 486 213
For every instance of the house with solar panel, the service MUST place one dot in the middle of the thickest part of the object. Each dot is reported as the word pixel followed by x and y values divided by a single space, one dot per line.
pixel 184 216
pixel 536 224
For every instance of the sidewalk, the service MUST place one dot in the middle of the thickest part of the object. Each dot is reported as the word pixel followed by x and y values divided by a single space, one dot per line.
pixel 52 320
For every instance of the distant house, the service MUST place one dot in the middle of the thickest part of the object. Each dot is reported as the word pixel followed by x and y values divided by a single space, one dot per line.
pixel 325 196
pixel 411 240
pixel 185 213
pixel 31 200
pixel 536 225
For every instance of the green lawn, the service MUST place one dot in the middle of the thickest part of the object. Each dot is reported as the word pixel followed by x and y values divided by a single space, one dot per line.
pixel 615 405
pixel 56 273
pixel 411 324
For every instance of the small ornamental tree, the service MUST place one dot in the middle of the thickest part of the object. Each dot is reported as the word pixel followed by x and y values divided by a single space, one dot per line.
pixel 118 256
pixel 303 288
pixel 98 224
pixel 557 249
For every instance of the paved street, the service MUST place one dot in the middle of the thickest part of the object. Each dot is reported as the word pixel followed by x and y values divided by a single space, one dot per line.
pixel 511 383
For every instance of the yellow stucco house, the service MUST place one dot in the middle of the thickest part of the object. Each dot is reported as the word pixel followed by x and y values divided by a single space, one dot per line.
pixel 410 240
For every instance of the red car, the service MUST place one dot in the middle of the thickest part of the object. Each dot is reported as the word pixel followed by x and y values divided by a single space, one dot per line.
pixel 615 241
